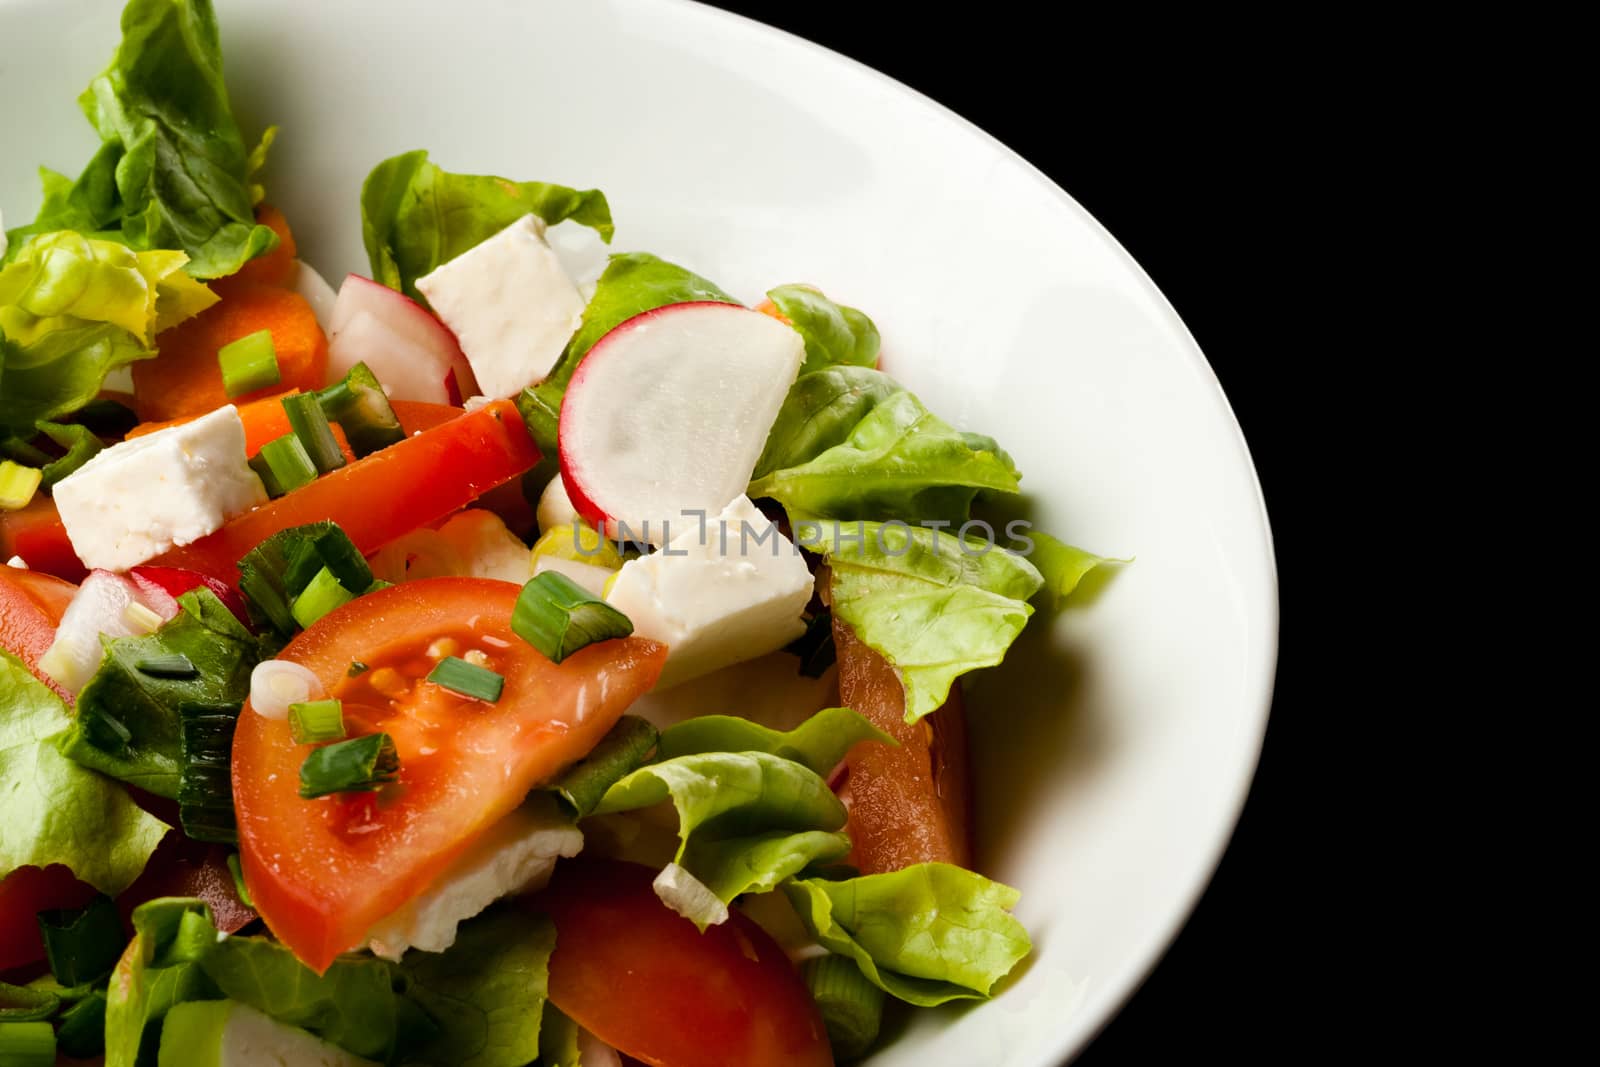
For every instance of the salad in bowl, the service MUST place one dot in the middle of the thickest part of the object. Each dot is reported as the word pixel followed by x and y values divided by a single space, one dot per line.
pixel 478 662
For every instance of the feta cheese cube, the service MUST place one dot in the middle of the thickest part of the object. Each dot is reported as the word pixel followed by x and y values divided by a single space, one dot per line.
pixel 137 499
pixel 716 596
pixel 515 854
pixel 511 305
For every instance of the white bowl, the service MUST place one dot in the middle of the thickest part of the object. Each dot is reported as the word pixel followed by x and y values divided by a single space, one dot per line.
pixel 1116 745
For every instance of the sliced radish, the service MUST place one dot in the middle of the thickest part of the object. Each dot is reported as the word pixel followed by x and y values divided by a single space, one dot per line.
pixel 415 355
pixel 108 604
pixel 667 414
pixel 317 292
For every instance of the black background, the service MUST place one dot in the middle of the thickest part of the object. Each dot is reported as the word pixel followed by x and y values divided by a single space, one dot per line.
pixel 1177 138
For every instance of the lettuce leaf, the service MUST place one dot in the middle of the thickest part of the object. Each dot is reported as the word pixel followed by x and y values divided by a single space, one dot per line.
pixel 56 811
pixel 487 992
pixel 633 283
pixel 931 604
pixel 181 166
pixel 819 743
pixel 899 461
pixel 416 217
pixel 927 934
pixel 752 806
pixel 88 205
pixel 558 1040
pixel 151 977
pixel 1062 565
pixel 820 411
pixel 129 724
pixel 60 372
pixel 834 334
pixel 63 280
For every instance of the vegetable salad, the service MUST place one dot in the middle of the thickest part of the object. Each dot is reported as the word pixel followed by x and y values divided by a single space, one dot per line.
pixel 469 664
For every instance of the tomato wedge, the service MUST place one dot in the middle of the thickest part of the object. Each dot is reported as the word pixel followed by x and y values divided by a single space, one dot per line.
pixel 376 499
pixel 35 533
pixel 910 804
pixel 31 606
pixel 323 871
pixel 642 979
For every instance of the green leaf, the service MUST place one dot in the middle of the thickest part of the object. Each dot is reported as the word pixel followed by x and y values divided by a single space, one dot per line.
pixel 150 978
pixel 558 1039
pixel 21 1004
pixel 1062 565
pixel 56 811
pixel 835 335
pixel 64 280
pixel 731 867
pixel 633 283
pixel 820 411
pixel 486 992
pixel 351 1005
pixel 181 169
pixel 274 573
pixel 81 445
pixel 60 373
pixel 931 604
pixel 624 747
pixel 819 743
pixel 900 460
pixel 89 205
pixel 416 217
pixel 927 934
pixel 129 724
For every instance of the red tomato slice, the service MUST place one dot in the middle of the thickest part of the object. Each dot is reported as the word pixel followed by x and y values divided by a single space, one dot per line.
pixel 35 533
pixel 323 871
pixel 24 893
pixel 642 979
pixel 31 606
pixel 177 581
pixel 376 499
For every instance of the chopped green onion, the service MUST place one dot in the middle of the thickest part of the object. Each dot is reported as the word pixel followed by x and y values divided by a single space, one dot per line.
pixel 239 888
pixel 468 679
pixel 311 426
pixel 17 485
pixel 83 1028
pixel 205 786
pixel 359 765
pixel 27 1044
pixel 176 665
pixel 79 441
pixel 24 1004
pixel 323 595
pixel 620 752
pixel 557 616
pixel 360 406
pixel 284 465
pixel 82 944
pixel 248 364
pixel 316 721
pixel 852 1007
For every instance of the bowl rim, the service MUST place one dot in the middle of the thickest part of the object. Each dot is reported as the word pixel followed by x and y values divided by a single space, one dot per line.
pixel 1114 990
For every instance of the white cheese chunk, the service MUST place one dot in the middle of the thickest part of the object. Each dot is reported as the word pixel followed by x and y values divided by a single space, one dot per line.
pixel 137 499
pixel 729 592
pixel 511 305
pixel 515 854
pixel 555 507
pixel 225 1033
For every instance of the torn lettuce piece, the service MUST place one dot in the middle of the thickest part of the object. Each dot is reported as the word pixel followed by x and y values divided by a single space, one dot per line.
pixel 181 167
pixel 416 216
pixel 933 605
pixel 129 723
pixel 900 460
pixel 486 993
pixel 57 811
pixel 927 934
pixel 633 283
pixel 819 743
pixel 821 410
pixel 1063 566
pixel 835 335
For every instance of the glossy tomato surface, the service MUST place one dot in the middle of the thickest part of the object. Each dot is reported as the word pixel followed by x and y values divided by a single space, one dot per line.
pixel 323 871
pixel 644 980
pixel 31 606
